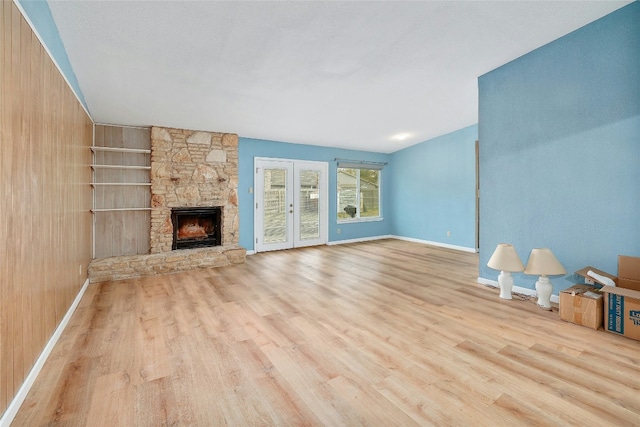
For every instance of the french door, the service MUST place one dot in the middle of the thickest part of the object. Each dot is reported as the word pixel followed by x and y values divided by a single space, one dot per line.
pixel 291 208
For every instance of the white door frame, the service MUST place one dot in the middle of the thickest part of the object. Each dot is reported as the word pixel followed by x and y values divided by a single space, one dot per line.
pixel 293 202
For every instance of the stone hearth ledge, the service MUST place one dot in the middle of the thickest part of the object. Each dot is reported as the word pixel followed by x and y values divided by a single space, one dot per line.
pixel 135 266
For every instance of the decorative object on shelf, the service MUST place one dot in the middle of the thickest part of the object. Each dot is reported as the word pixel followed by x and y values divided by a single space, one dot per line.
pixel 506 260
pixel 544 263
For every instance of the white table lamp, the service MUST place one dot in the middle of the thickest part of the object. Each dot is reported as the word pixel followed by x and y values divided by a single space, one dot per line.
pixel 506 260
pixel 544 263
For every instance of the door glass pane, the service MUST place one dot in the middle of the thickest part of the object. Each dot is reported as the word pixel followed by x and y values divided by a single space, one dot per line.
pixel 309 209
pixel 275 206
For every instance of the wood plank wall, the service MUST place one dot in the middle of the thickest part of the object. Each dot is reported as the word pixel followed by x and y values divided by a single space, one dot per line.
pixel 122 232
pixel 45 199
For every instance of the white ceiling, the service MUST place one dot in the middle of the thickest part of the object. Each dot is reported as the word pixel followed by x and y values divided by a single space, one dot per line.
pixel 330 73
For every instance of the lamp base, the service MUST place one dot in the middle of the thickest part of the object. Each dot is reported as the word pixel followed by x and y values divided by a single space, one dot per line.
pixel 544 288
pixel 506 284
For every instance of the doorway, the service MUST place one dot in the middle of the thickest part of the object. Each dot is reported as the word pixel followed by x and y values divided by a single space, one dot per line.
pixel 291 204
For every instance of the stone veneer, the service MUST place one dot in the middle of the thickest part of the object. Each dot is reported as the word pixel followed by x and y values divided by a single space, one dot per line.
pixel 192 169
pixel 134 266
pixel 188 169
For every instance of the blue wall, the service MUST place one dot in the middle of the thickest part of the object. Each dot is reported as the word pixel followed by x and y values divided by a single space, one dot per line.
pixel 433 189
pixel 559 132
pixel 249 148
pixel 40 16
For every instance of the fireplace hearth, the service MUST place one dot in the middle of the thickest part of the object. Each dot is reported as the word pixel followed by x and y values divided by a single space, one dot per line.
pixel 196 227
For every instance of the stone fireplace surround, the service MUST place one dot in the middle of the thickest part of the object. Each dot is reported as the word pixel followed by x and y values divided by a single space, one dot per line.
pixel 188 169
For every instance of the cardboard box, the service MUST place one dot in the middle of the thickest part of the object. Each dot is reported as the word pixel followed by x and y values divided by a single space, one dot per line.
pixel 622 311
pixel 582 305
pixel 629 272
pixel 583 272
pixel 622 303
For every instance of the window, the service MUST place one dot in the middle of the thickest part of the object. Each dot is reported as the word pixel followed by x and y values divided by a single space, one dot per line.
pixel 358 192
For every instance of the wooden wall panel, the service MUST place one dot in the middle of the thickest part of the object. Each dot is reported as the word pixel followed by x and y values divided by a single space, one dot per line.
pixel 5 198
pixel 45 199
pixel 123 232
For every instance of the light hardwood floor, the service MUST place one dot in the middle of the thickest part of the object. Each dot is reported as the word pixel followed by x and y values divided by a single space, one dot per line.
pixel 386 333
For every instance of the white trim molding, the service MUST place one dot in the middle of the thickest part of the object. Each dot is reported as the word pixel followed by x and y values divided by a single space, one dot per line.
pixel 360 239
pixel 17 401
pixel 516 289
pixel 408 239
pixel 442 245
pixel 123 126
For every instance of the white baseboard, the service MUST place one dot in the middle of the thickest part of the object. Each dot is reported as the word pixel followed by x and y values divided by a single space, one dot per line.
pixel 342 242
pixel 516 289
pixel 361 239
pixel 442 245
pixel 392 236
pixel 17 401
pixel 408 239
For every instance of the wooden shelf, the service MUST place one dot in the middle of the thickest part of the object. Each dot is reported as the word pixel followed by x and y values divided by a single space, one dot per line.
pixel 121 150
pixel 147 184
pixel 121 167
pixel 119 209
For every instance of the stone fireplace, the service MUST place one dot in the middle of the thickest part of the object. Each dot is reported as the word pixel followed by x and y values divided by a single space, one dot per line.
pixel 191 171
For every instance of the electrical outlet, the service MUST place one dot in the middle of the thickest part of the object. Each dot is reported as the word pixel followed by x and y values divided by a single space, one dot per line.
pixel 448 233
pixel 338 231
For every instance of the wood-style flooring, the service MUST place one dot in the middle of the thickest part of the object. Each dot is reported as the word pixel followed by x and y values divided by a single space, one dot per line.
pixel 384 333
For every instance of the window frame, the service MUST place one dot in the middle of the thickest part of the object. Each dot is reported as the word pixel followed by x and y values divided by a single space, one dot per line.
pixel 358 218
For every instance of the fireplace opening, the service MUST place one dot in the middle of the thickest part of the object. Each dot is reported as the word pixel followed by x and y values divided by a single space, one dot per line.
pixel 196 227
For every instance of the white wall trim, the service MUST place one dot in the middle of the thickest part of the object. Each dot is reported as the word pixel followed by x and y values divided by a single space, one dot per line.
pixel 251 252
pixel 442 245
pixel 360 239
pixel 408 239
pixel 124 126
pixel 17 401
pixel 516 289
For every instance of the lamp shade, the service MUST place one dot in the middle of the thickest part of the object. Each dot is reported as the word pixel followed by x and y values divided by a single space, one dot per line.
pixel 543 262
pixel 505 258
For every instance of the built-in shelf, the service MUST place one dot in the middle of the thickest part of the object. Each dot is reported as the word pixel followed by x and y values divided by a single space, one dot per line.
pixel 120 209
pixel 128 191
pixel 121 150
pixel 148 184
pixel 121 186
pixel 121 167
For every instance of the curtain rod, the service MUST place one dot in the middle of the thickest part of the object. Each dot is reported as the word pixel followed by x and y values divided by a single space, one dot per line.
pixel 361 162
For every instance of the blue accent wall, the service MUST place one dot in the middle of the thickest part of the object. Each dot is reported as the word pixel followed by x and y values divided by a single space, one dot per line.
pixel 249 148
pixel 433 189
pixel 40 16
pixel 559 132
